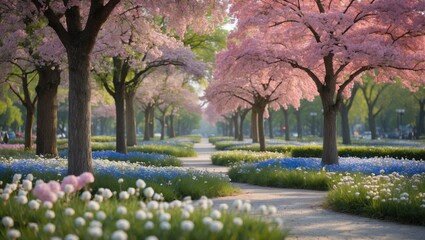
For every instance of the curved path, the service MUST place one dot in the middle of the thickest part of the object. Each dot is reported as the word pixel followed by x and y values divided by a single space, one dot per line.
pixel 302 211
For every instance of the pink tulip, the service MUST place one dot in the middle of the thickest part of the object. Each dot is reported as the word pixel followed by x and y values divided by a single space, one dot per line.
pixel 71 180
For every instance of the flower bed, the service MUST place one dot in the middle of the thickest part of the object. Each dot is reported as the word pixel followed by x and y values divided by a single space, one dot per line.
pixel 136 213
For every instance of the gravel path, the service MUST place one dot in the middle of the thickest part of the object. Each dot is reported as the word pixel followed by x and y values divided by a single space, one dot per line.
pixel 302 210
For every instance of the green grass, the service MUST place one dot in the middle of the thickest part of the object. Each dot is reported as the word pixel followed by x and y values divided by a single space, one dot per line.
pixel 228 158
pixel 167 161
pixel 216 139
pixel 181 150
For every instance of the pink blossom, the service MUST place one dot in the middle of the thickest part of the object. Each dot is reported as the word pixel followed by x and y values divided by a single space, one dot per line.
pixel 71 180
pixel 85 179
pixel 43 192
pixel 54 186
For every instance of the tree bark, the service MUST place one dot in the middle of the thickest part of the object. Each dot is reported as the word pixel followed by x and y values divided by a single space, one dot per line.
pixel 345 125
pixel 421 121
pixel 119 75
pixel 172 132
pixel 242 117
pixel 270 121
pixel 152 122
pixel 79 119
pixel 130 118
pixel 235 124
pixel 287 131
pixel 372 124
pixel 261 137
pixel 330 151
pixel 146 133
pixel 299 124
pixel 47 109
pixel 29 119
pixel 254 125
pixel 163 125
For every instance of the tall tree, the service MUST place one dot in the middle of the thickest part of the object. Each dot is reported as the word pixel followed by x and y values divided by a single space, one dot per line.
pixel 331 43
pixel 77 24
pixel 344 109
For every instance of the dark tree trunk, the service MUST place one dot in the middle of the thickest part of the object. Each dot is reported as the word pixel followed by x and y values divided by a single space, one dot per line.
pixel 119 75
pixel 299 124
pixel 242 117
pixel 261 136
pixel 330 110
pixel 47 109
pixel 146 133
pixel 372 124
pixel 162 121
pixel 172 132
pixel 270 121
pixel 79 119
pixel 345 125
pixel 254 125
pixel 235 118
pixel 29 119
pixel 130 118
pixel 287 131
pixel 421 120
pixel 152 122
pixel 230 124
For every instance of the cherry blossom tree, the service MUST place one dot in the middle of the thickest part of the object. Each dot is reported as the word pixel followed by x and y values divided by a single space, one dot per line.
pixel 331 43
pixel 77 24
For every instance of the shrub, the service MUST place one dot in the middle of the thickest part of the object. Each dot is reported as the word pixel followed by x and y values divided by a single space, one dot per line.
pixel 228 158
pixel 215 139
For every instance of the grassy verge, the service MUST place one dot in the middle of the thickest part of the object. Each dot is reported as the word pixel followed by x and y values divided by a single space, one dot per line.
pixel 228 158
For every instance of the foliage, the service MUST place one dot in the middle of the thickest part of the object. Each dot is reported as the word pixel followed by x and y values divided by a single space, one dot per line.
pixel 132 214
pixel 392 197
pixel 229 158
pixel 215 139
pixel 147 159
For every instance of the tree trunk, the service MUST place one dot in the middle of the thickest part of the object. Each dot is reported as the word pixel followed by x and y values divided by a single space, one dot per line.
pixel 242 117
pixel 130 118
pixel 230 124
pixel 235 124
pixel 261 136
pixel 163 125
pixel 146 133
pixel 79 119
pixel 254 125
pixel 152 122
pixel 345 125
pixel 421 121
pixel 299 124
pixel 372 124
pixel 270 121
pixel 330 151
pixel 119 75
pixel 172 132
pixel 287 131
pixel 29 119
pixel 47 109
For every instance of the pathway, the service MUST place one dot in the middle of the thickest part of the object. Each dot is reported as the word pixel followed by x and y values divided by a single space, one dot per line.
pixel 302 210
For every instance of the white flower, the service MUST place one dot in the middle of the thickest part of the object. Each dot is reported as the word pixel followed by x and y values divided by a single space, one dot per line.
pixel 85 196
pixel 107 193
pixel 7 222
pixel 263 209
pixel 47 205
pixel 149 225
pixel 30 177
pixel 151 238
pixel 164 217
pixel 237 204
pixel 27 185
pixel 13 234
pixel 140 215
pixel 215 214
pixel 187 225
pixel 165 226
pixel 123 224
pixel 71 237
pixel 158 197
pixel 140 183
pixel 272 210
pixel 148 192
pixel 69 211
pixel 79 222
pixel 33 226
pixel 189 208
pixel 98 198
pixel 101 215
pixel 357 194
pixel 49 228
pixel 207 220
pixel 88 215
pixel 121 210
pixel 22 199
pixel 176 204
pixel 95 232
pixel 5 196
pixel 237 221
pixel 124 195
pixel 223 207
pixel 119 235
pixel 152 205
pixel 131 191
pixel 120 180
pixel 93 206
pixel 68 188
pixel 60 194
pixel 95 223
pixel 16 177
pixel 246 207
pixel 50 214
pixel 216 226
pixel 185 214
